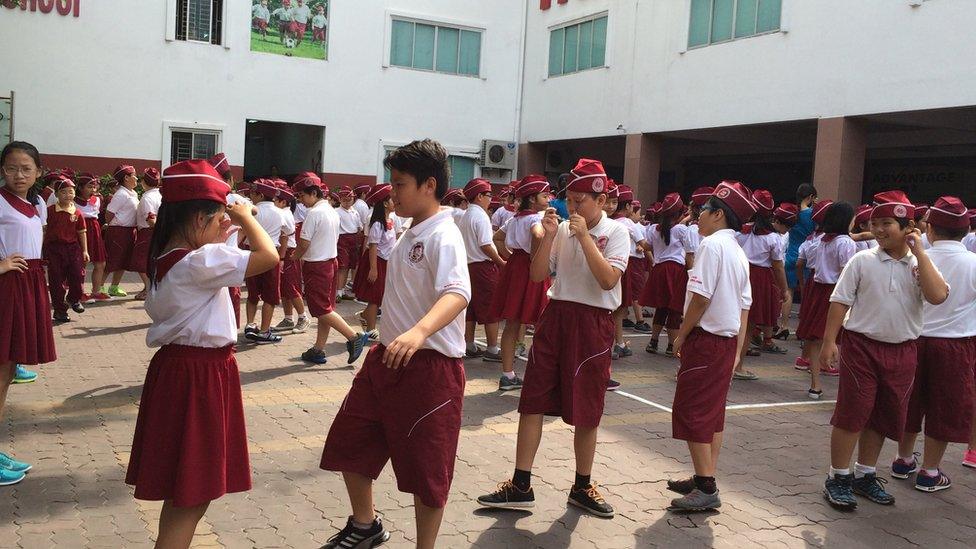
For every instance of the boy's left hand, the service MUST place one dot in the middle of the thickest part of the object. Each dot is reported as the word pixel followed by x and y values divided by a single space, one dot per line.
pixel 914 241
pixel 401 349
pixel 577 227
pixel 85 257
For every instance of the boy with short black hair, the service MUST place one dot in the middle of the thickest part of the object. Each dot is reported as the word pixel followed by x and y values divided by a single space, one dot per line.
pixel 569 364
pixel 393 410
pixel 878 300
pixel 484 264
pixel 265 288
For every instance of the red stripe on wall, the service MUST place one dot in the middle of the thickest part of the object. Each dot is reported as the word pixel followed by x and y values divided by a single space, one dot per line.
pixel 545 4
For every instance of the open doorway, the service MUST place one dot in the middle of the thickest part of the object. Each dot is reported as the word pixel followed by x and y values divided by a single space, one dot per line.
pixel 282 149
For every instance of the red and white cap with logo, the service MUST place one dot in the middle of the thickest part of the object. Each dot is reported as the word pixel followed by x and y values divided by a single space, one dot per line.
pixel 671 205
pixel 193 180
pixel 151 175
pixel 530 185
pixel 893 204
pixel 475 187
pixel 820 210
pixel 738 198
pixel 920 211
pixel 377 194
pixel 764 202
pixel 265 187
pixel 363 188
pixel 122 171
pixel 588 177
pixel 63 182
pixel 625 193
pixel 787 213
pixel 949 212
pixel 701 195
pixel 220 163
pixel 306 180
pixel 862 214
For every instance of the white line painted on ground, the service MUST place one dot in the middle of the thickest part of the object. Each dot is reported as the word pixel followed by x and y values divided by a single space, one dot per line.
pixel 643 400
pixel 778 404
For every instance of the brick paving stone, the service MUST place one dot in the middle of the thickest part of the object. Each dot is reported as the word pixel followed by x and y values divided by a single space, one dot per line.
pixel 75 426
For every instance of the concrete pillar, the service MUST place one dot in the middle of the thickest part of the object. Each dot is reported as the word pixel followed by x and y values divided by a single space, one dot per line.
pixel 642 165
pixel 531 159
pixel 838 166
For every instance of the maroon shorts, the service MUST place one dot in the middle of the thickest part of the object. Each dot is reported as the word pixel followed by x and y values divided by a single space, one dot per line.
pixel 291 277
pixel 943 394
pixel 411 415
pixel 284 27
pixel 875 385
pixel 568 376
pixel 766 296
pixel 703 386
pixel 813 311
pixel 119 242
pixel 636 275
pixel 517 297
pixel 26 333
pixel 366 291
pixel 318 33
pixel 190 443
pixel 140 251
pixel 265 287
pixel 626 290
pixel 96 245
pixel 666 286
pixel 484 279
pixel 349 250
pixel 298 28
pixel 235 299
pixel 320 286
pixel 259 24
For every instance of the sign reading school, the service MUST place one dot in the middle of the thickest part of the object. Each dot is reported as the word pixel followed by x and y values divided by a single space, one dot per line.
pixel 61 7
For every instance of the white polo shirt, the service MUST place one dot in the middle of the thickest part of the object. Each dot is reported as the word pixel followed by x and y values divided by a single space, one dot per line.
pixel 500 216
pixel 234 238
pixel 518 231
pixel 91 207
pixel 675 250
pixel 363 210
pixel 457 214
pixel 956 316
pixel 123 205
pixel 761 250
pixel 427 262
pixel 321 230
pixel 400 224
pixel 969 242
pixel 300 212
pixel 720 274
pixel 148 205
pixel 384 237
pixel 191 304
pixel 694 237
pixel 20 234
pixel 883 294
pixel 289 227
pixel 574 280
pixel 475 226
pixel 636 233
pixel 349 221
pixel 831 258
pixel 271 220
pixel 862 245
pixel 808 250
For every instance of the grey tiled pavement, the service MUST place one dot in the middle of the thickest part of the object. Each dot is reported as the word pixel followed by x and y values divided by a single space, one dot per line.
pixel 75 425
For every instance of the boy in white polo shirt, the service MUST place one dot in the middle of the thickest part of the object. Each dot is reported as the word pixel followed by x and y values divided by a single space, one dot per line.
pixel 405 402
pixel 943 393
pixel 878 300
pixel 266 287
pixel 569 363
pixel 317 250
pixel 260 17
pixel 710 340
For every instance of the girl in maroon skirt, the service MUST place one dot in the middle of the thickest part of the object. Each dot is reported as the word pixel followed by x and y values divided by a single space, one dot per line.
pixel 763 247
pixel 517 299
pixel 145 221
pixel 291 270
pixel 26 336
pixel 190 443
pixel 89 203
pixel 638 243
pixel 835 249
pixel 371 277
pixel 672 250
pixel 120 232
pixel 805 270
pixel 784 217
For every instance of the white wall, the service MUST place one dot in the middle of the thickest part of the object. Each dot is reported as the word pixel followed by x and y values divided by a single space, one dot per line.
pixel 102 84
pixel 837 58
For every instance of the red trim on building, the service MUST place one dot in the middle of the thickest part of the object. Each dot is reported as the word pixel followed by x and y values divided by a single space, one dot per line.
pixel 545 4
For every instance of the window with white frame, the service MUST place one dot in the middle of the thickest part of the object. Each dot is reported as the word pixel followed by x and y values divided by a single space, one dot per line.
pixel 435 47
pixel 579 46
pixel 188 144
pixel 199 20
pixel 714 21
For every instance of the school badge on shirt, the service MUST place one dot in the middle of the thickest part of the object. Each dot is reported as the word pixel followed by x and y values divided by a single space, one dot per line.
pixel 416 254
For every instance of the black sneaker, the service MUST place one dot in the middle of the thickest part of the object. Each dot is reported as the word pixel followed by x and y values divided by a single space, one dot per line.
pixel 683 486
pixel 315 356
pixel 627 323
pixel 782 335
pixel 474 354
pixel 642 327
pixel 250 329
pixel 652 346
pixel 355 346
pixel 351 537
pixel 669 352
pixel 506 384
pixel 589 498
pixel 839 491
pixel 507 496
pixel 613 385
pixel 263 338
pixel 872 487
pixel 61 317
pixel 78 307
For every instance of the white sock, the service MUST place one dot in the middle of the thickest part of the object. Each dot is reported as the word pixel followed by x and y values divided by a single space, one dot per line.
pixel 471 347
pixel 288 317
pixel 908 459
pixel 931 472
pixel 302 317
pixel 494 350
pixel 509 375
pixel 834 472
pixel 861 470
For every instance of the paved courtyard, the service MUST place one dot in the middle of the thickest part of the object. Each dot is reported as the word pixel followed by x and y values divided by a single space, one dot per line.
pixel 75 425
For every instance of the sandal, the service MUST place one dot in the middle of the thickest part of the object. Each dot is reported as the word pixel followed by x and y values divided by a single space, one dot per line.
pixel 745 375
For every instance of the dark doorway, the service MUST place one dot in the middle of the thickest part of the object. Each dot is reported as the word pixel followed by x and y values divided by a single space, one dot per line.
pixel 282 149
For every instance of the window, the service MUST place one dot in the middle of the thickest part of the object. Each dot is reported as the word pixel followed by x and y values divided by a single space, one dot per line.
pixel 714 21
pixel 438 48
pixel 199 20
pixel 578 47
pixel 188 145
pixel 462 169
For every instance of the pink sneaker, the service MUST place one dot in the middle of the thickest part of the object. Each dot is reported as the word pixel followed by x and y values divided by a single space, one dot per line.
pixel 832 371
pixel 969 460
pixel 801 364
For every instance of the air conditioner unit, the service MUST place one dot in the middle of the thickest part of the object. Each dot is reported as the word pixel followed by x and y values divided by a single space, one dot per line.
pixel 498 154
pixel 559 159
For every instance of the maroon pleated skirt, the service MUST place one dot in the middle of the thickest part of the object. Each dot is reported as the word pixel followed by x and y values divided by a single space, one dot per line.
pixel 666 286
pixel 190 443
pixel 140 251
pixel 26 333
pixel 813 311
pixel 516 296
pixel 119 242
pixel 637 273
pixel 370 292
pixel 96 244
pixel 766 296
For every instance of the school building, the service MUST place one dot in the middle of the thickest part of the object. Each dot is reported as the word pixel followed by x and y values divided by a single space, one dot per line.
pixel 669 94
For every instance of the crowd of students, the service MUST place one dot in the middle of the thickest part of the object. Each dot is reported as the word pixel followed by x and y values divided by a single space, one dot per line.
pixel 888 296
